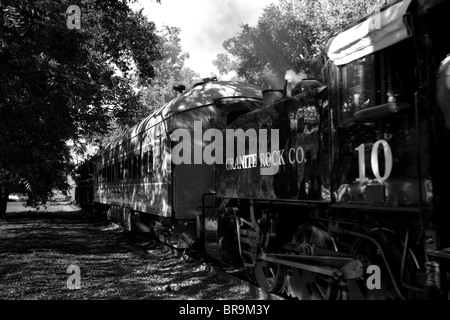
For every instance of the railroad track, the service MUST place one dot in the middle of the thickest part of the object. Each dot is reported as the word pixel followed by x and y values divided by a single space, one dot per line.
pixel 249 287
pixel 234 276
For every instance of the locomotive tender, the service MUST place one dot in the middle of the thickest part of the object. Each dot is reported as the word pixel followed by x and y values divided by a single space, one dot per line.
pixel 360 173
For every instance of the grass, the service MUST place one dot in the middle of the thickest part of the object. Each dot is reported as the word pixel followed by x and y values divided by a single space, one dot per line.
pixel 37 247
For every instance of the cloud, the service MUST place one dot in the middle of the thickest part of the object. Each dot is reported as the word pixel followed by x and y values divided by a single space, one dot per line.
pixel 204 24
pixel 222 20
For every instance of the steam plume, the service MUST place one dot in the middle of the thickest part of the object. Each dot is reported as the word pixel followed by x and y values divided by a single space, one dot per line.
pixel 294 78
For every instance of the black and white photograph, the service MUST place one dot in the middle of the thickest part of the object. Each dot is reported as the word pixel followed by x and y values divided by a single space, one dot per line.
pixel 224 158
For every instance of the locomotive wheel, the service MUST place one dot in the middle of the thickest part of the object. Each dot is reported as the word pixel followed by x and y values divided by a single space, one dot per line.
pixel 307 285
pixel 369 254
pixel 269 276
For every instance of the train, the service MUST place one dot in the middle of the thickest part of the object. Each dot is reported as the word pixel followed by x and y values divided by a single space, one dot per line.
pixel 336 190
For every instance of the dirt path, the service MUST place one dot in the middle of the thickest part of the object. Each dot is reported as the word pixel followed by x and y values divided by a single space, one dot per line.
pixel 37 247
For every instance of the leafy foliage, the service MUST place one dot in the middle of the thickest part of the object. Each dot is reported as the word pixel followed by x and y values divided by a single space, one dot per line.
pixel 224 63
pixel 170 71
pixel 290 35
pixel 59 84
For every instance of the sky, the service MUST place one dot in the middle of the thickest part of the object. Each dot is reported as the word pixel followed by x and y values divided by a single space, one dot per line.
pixel 204 24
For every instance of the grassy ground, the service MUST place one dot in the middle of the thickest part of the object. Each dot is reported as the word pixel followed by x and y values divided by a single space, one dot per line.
pixel 37 247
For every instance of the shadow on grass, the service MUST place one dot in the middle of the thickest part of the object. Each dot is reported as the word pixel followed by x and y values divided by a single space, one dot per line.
pixel 37 248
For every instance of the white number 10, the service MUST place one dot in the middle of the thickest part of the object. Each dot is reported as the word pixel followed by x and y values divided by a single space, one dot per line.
pixel 374 161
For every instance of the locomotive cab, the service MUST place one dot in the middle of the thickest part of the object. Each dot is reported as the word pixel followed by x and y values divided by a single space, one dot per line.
pixel 387 128
pixel 378 130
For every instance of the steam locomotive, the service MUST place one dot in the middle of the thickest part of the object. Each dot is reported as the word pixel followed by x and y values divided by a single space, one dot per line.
pixel 334 191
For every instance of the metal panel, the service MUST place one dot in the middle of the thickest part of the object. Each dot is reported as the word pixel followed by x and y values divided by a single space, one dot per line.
pixel 377 32
pixel 303 153
pixel 191 182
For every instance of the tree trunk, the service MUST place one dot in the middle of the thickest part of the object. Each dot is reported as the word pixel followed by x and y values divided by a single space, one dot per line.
pixel 3 205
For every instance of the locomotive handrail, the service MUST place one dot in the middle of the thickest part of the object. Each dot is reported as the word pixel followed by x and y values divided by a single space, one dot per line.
pixel 221 99
pixel 380 112
pixel 444 254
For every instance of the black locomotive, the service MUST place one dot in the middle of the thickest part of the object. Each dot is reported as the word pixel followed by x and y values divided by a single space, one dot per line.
pixel 337 191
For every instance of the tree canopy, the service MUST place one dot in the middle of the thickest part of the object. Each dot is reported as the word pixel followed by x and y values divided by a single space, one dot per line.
pixel 59 84
pixel 290 35
pixel 169 72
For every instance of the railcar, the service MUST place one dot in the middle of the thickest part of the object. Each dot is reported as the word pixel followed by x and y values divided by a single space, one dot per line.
pixel 136 181
pixel 84 194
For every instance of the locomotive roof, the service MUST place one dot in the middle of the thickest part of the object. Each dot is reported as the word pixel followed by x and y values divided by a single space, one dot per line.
pixel 200 95
pixel 373 33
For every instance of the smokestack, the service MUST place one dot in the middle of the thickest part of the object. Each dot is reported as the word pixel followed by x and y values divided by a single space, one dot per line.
pixel 271 96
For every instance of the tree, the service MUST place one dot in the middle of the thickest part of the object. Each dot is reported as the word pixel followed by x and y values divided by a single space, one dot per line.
pixel 225 64
pixel 169 70
pixel 59 84
pixel 291 35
